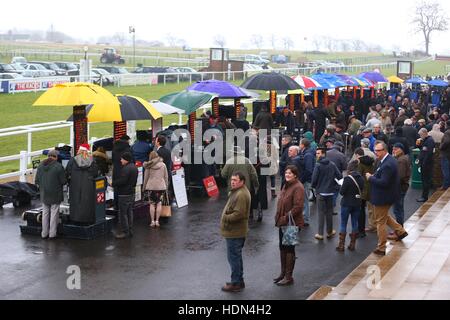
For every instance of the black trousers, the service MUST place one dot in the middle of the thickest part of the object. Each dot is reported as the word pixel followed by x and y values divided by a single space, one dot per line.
pixel 362 217
pixel 427 180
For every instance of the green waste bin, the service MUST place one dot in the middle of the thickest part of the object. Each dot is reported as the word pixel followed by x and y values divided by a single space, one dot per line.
pixel 416 182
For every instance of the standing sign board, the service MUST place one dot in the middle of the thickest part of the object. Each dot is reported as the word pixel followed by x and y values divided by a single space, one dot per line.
pixel 80 127
pixel 405 69
pixel 211 186
pixel 179 187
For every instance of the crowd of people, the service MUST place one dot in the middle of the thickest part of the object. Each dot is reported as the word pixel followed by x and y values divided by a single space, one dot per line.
pixel 363 154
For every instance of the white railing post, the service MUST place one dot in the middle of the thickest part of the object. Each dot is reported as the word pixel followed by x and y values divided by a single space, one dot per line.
pixel 23 165
pixel 29 146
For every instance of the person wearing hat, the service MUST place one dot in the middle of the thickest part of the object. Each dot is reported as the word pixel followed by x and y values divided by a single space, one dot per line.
pixel 50 178
pixel 367 134
pixel 404 172
pixel 125 185
pixel 81 172
pixel 119 147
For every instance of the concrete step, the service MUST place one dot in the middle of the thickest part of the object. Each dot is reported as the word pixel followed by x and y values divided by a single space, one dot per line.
pixel 417 260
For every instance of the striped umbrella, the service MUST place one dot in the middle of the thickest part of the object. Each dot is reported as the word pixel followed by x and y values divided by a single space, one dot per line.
pixel 306 82
pixel 129 108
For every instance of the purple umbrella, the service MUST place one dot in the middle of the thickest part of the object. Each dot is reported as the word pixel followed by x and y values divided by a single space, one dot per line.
pixel 373 76
pixel 223 89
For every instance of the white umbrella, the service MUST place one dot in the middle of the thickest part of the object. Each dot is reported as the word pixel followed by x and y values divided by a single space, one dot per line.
pixel 165 108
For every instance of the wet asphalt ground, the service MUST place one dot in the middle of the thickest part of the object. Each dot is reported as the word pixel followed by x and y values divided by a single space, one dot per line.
pixel 184 259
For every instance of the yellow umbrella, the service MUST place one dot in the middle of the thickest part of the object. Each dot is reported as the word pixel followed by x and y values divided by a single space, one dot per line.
pixel 130 108
pixel 77 94
pixel 395 79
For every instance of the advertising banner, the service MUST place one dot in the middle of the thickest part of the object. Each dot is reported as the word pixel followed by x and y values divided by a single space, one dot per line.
pixel 34 84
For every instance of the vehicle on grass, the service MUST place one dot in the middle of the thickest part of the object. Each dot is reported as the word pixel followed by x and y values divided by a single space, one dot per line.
pixel 18 60
pixel 189 74
pixel 171 77
pixel 7 68
pixel 24 72
pixel 114 70
pixel 94 77
pixel 10 76
pixel 106 77
pixel 66 65
pixel 110 55
pixel 51 66
pixel 41 70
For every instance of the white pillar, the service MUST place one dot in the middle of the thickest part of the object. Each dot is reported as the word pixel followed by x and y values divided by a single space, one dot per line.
pixel 29 146
pixel 23 165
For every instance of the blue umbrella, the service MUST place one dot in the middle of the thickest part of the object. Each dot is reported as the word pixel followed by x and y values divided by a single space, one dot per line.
pixel 373 76
pixel 416 80
pixel 222 89
pixel 329 81
pixel 438 83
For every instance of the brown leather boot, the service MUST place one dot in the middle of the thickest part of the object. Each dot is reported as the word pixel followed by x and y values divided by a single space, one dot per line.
pixel 341 245
pixel 352 244
pixel 283 266
pixel 290 264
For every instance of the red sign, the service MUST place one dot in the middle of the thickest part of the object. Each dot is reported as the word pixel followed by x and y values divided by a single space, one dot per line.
pixel 211 186
pixel 120 129
pixel 100 197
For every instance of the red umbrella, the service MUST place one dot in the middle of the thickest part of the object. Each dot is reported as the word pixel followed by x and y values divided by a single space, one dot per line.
pixel 306 82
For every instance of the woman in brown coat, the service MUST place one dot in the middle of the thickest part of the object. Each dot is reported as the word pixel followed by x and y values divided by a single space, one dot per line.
pixel 291 200
pixel 156 183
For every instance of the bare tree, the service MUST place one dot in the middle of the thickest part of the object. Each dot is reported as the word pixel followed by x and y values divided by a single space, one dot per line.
pixel 257 40
pixel 119 37
pixel 220 40
pixel 317 43
pixel 358 45
pixel 273 41
pixel 288 43
pixel 330 43
pixel 429 17
pixel 171 40
pixel 345 45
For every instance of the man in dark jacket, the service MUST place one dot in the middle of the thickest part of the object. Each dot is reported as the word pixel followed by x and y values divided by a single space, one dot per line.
pixel 263 119
pixel 410 133
pixel 404 172
pixel 50 177
pixel 119 147
pixel 323 180
pixel 320 115
pixel 378 134
pixel 445 157
pixel 163 152
pixel 126 185
pixel 286 119
pixel 426 162
pixel 384 191
pixel 307 162
pixel 398 138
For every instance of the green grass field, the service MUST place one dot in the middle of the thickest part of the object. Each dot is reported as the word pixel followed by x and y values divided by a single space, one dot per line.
pixel 16 110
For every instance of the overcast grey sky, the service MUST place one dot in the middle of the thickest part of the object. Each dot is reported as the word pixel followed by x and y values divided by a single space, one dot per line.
pixel 383 22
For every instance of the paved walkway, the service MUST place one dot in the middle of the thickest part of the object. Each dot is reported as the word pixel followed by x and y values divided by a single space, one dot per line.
pixel 417 268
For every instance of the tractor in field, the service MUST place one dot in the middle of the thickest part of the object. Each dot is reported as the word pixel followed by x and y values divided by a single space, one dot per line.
pixel 110 55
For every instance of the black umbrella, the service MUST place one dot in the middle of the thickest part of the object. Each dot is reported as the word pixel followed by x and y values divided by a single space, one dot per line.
pixel 269 81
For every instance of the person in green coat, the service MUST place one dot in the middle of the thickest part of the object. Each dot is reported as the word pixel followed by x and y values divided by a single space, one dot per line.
pixel 50 178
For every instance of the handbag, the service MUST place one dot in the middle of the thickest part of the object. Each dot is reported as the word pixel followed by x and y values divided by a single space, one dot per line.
pixel 166 208
pixel 290 233
pixel 357 196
